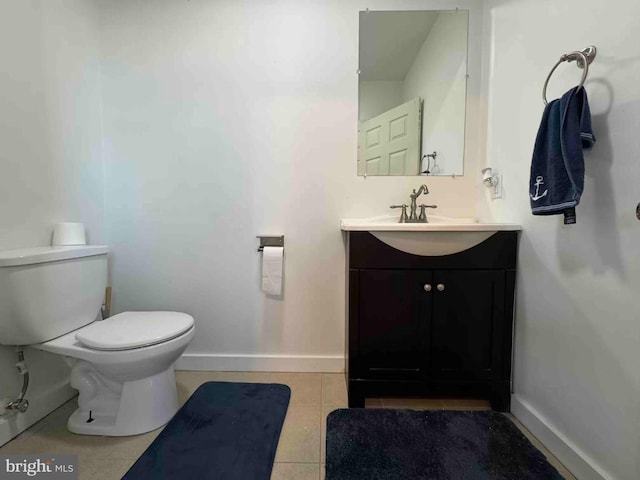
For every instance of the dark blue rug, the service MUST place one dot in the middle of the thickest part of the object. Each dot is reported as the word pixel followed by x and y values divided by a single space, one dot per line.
pixel 380 444
pixel 224 431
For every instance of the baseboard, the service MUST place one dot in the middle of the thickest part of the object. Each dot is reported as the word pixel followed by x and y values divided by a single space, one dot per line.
pixel 39 407
pixel 261 363
pixel 576 461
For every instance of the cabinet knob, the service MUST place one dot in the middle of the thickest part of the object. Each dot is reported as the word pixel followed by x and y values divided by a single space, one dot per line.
pixel 440 287
pixel 427 287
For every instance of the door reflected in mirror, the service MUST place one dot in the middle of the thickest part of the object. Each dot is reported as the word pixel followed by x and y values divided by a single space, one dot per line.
pixel 412 92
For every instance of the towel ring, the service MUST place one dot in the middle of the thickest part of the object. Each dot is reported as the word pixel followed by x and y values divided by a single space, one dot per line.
pixel 583 59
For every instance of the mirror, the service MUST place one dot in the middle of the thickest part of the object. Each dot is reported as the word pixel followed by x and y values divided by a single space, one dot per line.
pixel 412 92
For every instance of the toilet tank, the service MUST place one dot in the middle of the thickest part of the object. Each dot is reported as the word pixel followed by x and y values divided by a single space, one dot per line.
pixel 46 292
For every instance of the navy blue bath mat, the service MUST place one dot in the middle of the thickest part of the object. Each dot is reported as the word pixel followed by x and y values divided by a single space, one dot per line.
pixel 225 431
pixel 381 444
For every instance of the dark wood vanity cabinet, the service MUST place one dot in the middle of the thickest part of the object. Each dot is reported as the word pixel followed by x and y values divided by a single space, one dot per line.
pixel 430 326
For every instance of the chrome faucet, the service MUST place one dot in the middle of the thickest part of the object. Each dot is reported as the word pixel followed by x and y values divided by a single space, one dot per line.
pixel 413 217
pixel 412 214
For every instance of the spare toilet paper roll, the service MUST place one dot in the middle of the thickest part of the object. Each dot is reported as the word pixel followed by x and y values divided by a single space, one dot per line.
pixel 68 233
pixel 272 264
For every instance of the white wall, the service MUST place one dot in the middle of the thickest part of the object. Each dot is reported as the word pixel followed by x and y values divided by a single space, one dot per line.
pixel 377 97
pixel 438 76
pixel 224 120
pixel 577 355
pixel 51 171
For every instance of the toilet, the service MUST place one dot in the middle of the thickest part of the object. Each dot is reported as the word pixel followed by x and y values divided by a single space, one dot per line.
pixel 122 367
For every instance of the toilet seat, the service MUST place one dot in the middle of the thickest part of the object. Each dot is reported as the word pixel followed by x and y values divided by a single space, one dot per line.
pixel 131 330
pixel 130 388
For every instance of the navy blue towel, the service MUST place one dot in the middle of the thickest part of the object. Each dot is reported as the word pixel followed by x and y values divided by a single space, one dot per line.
pixel 557 166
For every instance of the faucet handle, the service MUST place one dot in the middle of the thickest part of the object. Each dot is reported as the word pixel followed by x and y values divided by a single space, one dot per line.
pixel 403 214
pixel 423 214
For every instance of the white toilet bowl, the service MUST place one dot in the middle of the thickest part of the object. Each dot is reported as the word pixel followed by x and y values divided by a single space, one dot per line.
pixel 122 368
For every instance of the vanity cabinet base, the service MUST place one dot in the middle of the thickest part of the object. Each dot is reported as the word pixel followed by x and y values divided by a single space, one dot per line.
pixel 498 393
pixel 421 326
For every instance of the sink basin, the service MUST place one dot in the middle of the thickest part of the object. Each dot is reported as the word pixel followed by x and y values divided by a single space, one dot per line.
pixel 437 223
pixel 441 236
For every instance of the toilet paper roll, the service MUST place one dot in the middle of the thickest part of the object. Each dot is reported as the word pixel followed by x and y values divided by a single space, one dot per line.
pixel 68 233
pixel 272 265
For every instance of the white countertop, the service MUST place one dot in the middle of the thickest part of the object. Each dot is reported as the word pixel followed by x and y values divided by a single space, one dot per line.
pixel 389 223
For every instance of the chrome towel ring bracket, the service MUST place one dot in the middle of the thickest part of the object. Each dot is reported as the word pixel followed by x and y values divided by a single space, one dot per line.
pixel 583 59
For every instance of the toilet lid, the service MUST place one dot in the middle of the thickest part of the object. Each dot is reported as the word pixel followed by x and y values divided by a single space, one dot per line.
pixel 129 330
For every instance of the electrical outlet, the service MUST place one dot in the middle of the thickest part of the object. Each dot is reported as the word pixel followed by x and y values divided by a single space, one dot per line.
pixel 496 190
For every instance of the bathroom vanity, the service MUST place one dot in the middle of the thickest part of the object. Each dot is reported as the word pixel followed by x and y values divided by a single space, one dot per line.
pixel 430 309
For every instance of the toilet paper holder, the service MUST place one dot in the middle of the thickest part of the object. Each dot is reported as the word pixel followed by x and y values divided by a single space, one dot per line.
pixel 270 241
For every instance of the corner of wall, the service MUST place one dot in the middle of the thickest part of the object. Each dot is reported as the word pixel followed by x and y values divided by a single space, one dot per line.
pixel 576 461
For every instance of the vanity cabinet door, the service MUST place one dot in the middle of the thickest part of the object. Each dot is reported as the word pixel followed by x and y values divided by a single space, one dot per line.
pixel 467 324
pixel 391 332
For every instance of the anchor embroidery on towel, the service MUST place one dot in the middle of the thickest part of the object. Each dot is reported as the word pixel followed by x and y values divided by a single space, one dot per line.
pixel 537 196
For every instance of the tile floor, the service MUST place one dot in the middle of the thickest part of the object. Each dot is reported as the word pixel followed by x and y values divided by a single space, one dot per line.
pixel 301 451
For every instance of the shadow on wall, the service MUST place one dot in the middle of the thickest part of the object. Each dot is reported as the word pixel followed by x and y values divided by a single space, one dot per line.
pixel 597 212
pixel 554 363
